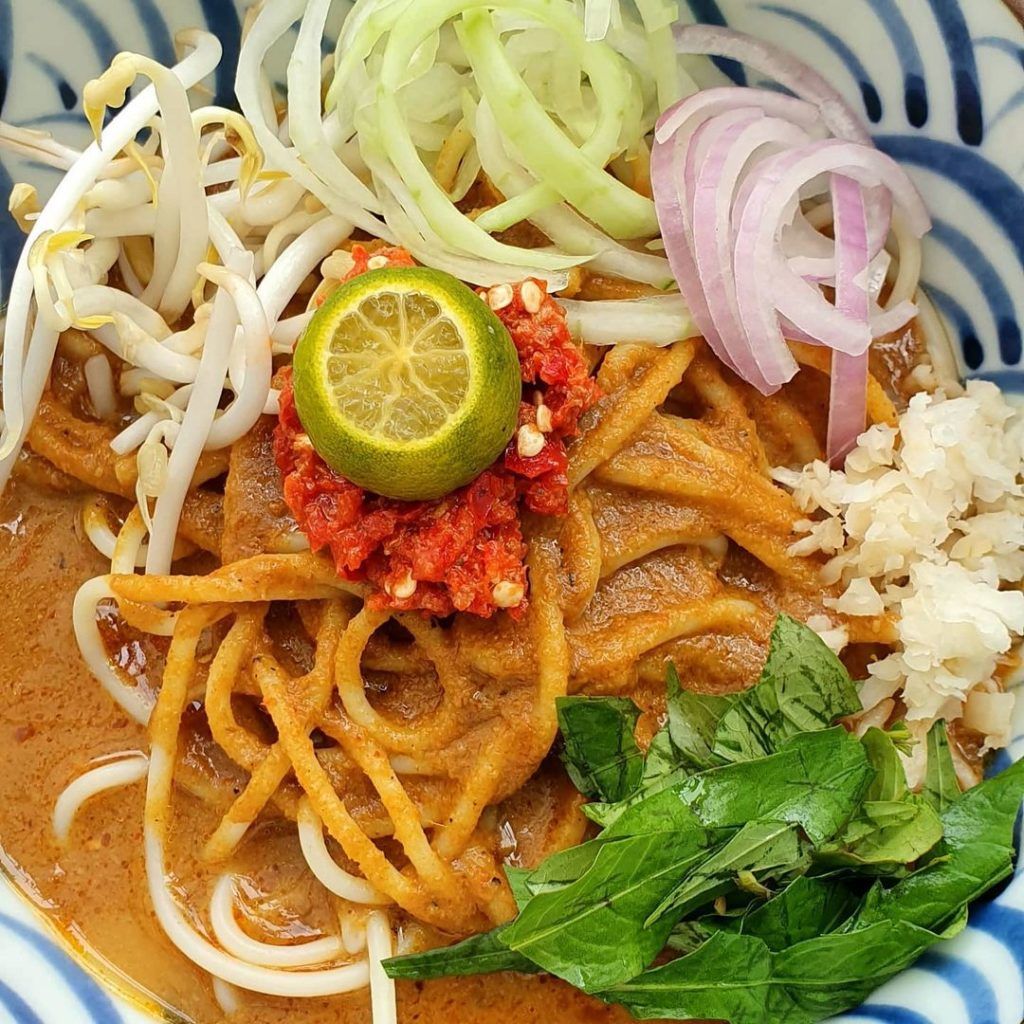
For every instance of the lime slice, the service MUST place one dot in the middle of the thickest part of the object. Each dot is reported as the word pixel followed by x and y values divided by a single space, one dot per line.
pixel 407 383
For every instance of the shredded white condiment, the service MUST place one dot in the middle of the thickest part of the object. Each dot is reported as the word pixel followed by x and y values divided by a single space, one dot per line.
pixel 926 523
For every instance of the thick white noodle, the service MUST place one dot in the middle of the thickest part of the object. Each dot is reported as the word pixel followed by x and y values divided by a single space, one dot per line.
pixel 124 771
pixel 295 984
pixel 17 384
pixel 227 997
pixel 97 526
pixel 332 877
pixel 379 947
pixel 353 929
pixel 238 943
pixel 302 984
pixel 135 701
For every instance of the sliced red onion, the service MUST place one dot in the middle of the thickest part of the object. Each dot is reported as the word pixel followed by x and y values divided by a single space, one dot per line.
pixel 673 140
pixel 666 179
pixel 731 169
pixel 714 41
pixel 804 82
pixel 709 102
pixel 733 140
pixel 770 201
pixel 849 386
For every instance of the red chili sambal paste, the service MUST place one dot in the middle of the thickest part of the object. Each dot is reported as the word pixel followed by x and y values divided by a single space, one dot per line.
pixel 465 551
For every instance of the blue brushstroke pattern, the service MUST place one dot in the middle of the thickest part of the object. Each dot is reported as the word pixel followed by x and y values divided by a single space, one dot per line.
pixel 970 345
pixel 915 93
pixel 1003 923
pixel 99 35
pixel 19 1010
pixel 997 295
pixel 10 233
pixel 160 46
pixel 885 1014
pixel 87 991
pixel 988 185
pixel 68 96
pixel 970 120
pixel 707 12
pixel 222 20
pixel 57 117
pixel 1011 104
pixel 973 986
pixel 1008 380
pixel 1003 45
pixel 868 92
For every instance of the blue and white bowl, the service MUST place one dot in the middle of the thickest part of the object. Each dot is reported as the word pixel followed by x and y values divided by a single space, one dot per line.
pixel 940 82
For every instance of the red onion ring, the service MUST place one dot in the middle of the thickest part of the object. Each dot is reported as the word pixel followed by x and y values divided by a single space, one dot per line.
pixel 730 169
pixel 849 385
pixel 712 41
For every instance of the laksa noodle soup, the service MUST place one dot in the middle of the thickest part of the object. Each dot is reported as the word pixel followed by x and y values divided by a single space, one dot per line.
pixel 493 530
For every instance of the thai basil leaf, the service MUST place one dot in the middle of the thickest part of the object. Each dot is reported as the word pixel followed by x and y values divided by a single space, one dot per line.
pixel 517 883
pixel 661 771
pixel 975 854
pixel 738 978
pixel 600 752
pixel 817 780
pixel 661 759
pixel 804 688
pixel 762 848
pixel 941 788
pixel 729 978
pixel 481 954
pixel 663 814
pixel 806 908
pixel 688 936
pixel 692 722
pixel 890 776
pixel 591 932
pixel 885 833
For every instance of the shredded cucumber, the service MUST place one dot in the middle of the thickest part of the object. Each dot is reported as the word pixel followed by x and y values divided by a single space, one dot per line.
pixel 563 226
pixel 548 153
pixel 598 19
pixel 573 88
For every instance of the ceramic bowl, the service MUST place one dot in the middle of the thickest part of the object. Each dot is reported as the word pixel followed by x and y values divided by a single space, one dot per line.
pixel 941 84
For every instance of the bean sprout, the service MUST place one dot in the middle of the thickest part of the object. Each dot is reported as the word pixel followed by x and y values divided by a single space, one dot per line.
pixel 81 176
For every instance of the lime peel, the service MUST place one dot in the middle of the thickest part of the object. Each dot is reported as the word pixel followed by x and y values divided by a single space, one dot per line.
pixel 407 383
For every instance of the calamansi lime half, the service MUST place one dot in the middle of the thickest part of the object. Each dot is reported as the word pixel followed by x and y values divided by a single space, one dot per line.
pixel 407 383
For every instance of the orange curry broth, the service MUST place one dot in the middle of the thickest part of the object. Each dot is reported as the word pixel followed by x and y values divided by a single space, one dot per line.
pixel 456 548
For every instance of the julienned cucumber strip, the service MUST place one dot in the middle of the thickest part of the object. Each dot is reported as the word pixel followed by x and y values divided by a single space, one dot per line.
pixel 793 881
